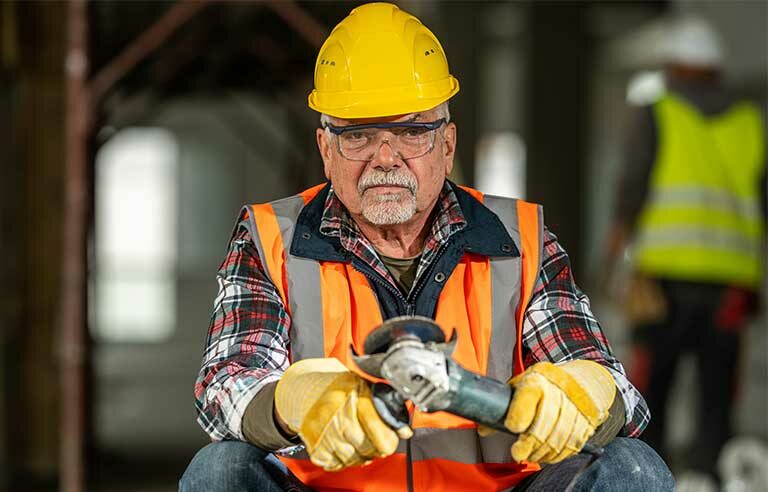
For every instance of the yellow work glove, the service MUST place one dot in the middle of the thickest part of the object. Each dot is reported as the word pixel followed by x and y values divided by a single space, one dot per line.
pixel 331 409
pixel 556 409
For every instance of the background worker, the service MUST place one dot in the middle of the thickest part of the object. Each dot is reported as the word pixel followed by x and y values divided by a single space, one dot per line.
pixel 693 196
pixel 308 276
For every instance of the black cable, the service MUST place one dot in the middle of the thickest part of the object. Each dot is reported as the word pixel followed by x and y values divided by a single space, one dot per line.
pixel 409 464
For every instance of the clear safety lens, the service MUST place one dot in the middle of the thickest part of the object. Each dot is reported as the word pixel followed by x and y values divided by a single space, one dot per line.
pixel 408 140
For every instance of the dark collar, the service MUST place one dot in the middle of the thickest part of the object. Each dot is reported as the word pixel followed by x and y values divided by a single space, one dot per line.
pixel 308 242
pixel 484 234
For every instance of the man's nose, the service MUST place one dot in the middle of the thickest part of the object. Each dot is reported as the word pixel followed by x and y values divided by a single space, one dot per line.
pixel 386 157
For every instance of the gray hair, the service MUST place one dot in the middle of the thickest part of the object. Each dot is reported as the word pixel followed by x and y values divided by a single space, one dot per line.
pixel 442 112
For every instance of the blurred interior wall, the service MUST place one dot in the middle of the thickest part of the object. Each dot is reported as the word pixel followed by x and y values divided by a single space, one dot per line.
pixel 558 57
pixel 233 149
pixel 742 25
pixel 31 235
pixel 9 240
pixel 460 32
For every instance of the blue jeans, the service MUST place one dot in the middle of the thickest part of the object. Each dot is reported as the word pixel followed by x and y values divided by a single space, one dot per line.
pixel 627 465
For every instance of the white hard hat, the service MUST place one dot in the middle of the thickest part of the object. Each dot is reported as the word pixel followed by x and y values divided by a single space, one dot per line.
pixel 693 41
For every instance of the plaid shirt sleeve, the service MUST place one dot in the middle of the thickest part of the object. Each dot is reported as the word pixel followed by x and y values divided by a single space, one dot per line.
pixel 247 343
pixel 559 326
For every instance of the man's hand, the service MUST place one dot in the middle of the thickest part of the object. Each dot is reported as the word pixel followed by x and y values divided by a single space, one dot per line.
pixel 556 409
pixel 331 409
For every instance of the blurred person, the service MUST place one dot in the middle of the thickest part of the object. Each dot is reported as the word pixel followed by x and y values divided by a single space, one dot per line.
pixel 388 235
pixel 692 199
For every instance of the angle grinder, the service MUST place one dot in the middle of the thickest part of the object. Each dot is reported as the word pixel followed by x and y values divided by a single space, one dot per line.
pixel 412 355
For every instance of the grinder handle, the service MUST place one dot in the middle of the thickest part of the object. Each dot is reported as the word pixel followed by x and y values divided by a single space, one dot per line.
pixel 486 401
pixel 390 405
pixel 478 398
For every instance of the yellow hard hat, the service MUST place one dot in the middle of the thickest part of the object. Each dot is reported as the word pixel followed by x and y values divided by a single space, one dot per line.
pixel 380 61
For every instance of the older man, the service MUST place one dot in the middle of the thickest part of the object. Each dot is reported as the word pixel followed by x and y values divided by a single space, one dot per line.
pixel 388 235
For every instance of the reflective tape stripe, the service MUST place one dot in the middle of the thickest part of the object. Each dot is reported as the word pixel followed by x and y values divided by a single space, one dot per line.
pixel 685 236
pixel 711 199
pixel 303 282
pixel 272 226
pixel 505 293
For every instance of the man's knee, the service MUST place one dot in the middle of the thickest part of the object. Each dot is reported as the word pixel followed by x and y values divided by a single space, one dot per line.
pixel 627 465
pixel 226 465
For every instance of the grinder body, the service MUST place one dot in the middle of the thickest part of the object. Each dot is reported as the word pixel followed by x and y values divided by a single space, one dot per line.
pixel 411 354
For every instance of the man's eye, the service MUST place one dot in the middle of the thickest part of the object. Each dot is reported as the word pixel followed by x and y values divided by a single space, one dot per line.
pixel 414 132
pixel 354 136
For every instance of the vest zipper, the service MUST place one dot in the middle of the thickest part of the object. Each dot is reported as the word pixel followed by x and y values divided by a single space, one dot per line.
pixel 365 270
pixel 410 309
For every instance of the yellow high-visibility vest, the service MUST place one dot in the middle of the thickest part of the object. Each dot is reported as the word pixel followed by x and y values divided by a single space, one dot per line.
pixel 702 219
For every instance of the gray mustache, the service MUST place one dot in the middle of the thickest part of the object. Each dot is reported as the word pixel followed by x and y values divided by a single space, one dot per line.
pixel 387 179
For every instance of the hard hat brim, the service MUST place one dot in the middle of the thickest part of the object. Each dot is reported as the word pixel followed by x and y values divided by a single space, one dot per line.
pixel 389 102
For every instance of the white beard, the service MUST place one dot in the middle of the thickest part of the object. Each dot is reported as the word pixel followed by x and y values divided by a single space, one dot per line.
pixel 390 208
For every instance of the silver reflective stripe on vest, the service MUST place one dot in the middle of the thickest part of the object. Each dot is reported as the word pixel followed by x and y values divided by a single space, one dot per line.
pixel 711 199
pixel 506 278
pixel 505 293
pixel 698 237
pixel 302 284
pixel 505 284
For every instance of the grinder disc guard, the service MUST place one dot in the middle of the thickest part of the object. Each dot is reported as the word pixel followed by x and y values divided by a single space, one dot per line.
pixel 420 327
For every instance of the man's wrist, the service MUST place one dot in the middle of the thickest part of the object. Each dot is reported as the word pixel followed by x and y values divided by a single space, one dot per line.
pixel 281 425
pixel 260 424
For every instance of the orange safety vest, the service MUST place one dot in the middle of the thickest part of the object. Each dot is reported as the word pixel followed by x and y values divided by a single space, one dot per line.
pixel 332 305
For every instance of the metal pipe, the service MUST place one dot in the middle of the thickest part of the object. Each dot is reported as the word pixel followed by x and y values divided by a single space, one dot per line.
pixel 81 99
pixel 143 45
pixel 312 30
pixel 73 285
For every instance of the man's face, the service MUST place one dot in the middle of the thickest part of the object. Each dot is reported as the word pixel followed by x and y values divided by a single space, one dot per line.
pixel 388 189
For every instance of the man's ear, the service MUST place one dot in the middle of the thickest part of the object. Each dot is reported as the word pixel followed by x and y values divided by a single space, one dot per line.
pixel 324 146
pixel 449 146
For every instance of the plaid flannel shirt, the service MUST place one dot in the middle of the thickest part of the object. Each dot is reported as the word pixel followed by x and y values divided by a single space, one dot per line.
pixel 248 337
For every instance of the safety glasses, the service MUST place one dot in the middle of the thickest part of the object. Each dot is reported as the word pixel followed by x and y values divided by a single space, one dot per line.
pixel 408 139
